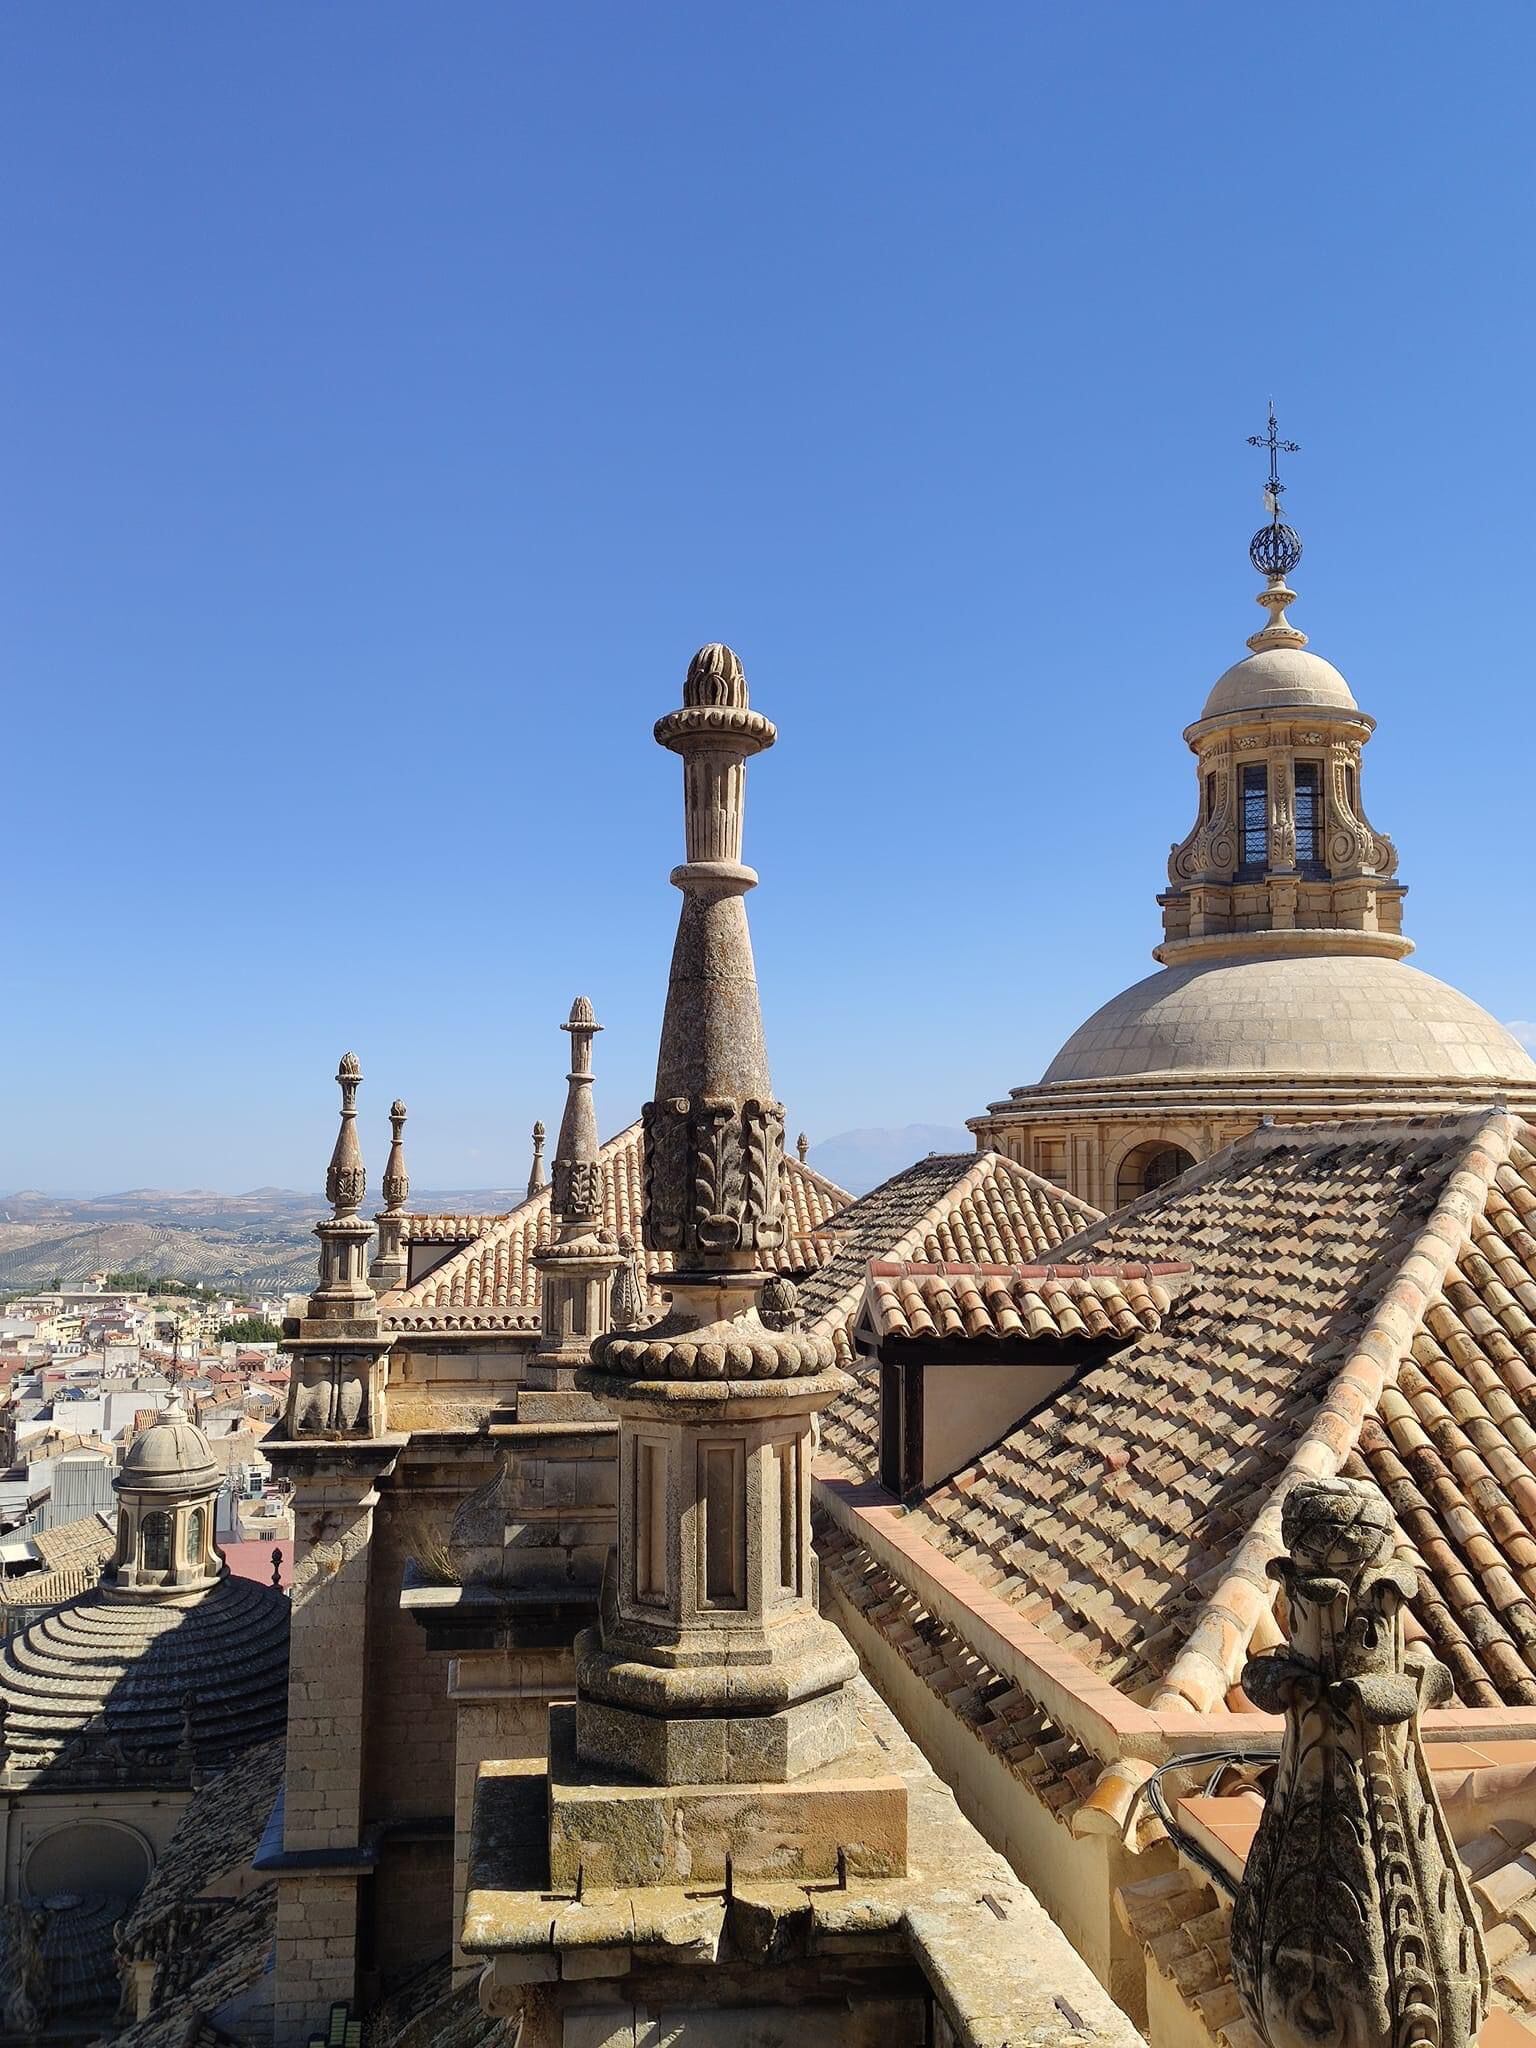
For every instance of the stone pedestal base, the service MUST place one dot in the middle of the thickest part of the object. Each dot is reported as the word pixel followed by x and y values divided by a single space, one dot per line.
pixel 608 1834
pixel 716 1749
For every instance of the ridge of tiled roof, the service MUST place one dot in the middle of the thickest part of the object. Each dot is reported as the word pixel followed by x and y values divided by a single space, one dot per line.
pixel 492 1283
pixel 1212 1657
pixel 422 1228
pixel 963 1206
pixel 1133 1513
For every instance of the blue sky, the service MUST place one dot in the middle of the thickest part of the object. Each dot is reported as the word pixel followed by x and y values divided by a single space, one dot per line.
pixel 393 397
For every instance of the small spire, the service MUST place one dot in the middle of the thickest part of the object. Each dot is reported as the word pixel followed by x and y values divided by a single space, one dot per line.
pixel 537 1181
pixel 396 1184
pixel 802 1146
pixel 577 1197
pixel 346 1181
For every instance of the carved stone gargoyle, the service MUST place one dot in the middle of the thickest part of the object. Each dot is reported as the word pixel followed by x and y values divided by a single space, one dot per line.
pixel 1354 1926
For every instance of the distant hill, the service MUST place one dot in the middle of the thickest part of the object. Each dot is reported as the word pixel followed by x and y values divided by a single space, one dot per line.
pixel 256 1243
pixel 262 1242
pixel 860 1160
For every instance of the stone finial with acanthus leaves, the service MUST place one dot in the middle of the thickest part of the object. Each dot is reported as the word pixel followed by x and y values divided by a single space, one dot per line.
pixel 1354 1926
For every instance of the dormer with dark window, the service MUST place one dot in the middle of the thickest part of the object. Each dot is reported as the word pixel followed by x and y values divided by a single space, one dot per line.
pixel 967 1351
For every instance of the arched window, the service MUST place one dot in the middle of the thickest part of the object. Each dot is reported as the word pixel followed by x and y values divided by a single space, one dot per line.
pixel 155 1541
pixel 1150 1166
pixel 197 1525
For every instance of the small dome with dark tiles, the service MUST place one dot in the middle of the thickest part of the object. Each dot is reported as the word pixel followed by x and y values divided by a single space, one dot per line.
pixel 112 1688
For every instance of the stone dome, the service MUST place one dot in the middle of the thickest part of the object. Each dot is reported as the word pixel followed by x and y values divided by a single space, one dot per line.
pixel 103 1687
pixel 1325 1014
pixel 1277 676
pixel 171 1456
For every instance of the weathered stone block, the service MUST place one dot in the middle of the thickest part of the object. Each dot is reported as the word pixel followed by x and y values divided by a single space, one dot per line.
pixel 625 1834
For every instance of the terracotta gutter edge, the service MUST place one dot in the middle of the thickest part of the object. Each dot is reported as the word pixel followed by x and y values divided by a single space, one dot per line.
pixel 1086 1706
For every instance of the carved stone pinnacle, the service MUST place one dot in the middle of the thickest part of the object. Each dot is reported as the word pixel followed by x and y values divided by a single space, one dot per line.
pixel 1354 1926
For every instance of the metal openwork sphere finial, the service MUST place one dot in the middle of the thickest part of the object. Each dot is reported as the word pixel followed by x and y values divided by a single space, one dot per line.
pixel 1275 549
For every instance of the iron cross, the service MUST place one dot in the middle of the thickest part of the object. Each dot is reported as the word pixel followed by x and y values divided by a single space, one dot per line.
pixel 1276 448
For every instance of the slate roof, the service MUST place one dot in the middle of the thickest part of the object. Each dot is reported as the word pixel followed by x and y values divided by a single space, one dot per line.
pixel 223 1964
pixel 1363 1298
pixel 949 1206
pixel 949 1303
pixel 215 1841
pixel 492 1284
pixel 98 1690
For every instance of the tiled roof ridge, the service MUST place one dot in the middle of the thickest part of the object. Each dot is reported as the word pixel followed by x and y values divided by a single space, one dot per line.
pixel 447 1296
pixel 407 1298
pixel 447 1226
pixel 1211 1659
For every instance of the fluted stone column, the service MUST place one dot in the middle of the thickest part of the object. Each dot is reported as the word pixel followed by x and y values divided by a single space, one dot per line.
pixel 711 1662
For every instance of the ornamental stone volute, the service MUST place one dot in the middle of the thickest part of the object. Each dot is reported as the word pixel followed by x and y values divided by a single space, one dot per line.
pixel 1354 1926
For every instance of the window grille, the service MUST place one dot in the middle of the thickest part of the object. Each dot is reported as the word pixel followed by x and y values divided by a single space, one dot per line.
pixel 1256 819
pixel 1307 853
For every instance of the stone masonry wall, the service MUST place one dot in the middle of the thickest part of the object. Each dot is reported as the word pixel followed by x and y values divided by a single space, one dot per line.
pixel 410 1724
pixel 496 1722
pixel 316 1945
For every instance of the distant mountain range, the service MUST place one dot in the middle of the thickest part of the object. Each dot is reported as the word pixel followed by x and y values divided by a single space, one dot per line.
pixel 262 1242
pixel 860 1160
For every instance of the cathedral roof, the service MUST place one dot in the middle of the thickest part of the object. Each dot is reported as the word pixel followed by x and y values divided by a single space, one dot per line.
pixel 493 1284
pixel 1336 1014
pixel 102 1689
pixel 1363 1299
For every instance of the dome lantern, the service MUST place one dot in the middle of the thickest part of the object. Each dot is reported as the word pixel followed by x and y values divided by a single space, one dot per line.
pixel 165 1525
pixel 1284 991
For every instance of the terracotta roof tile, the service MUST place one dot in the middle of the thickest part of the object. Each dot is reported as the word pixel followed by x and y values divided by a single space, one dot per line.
pixel 950 1302
pixel 1054 1767
pixel 1306 1244
pixel 961 1206
pixel 1184 1926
